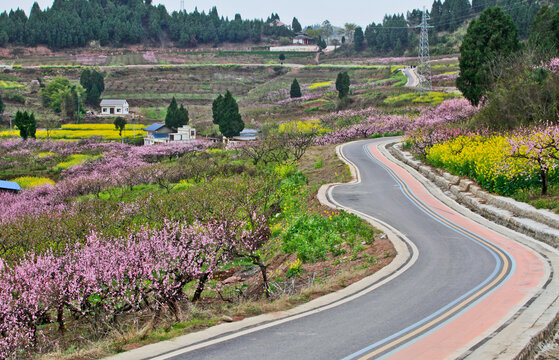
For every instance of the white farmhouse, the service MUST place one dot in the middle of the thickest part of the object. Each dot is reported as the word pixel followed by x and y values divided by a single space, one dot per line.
pixel 161 134
pixel 114 107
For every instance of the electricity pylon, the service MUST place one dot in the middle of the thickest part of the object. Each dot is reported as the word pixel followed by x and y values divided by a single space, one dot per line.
pixel 424 68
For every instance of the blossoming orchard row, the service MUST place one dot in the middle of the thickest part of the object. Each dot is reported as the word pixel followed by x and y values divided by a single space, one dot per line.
pixel 121 165
pixel 105 278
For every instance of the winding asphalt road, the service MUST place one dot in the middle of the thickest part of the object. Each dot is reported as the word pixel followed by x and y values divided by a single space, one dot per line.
pixel 462 283
pixel 413 79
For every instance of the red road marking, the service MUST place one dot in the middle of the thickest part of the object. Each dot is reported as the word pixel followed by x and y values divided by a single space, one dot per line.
pixel 491 312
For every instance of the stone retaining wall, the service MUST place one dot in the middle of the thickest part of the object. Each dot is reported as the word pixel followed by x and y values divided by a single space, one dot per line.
pixel 541 225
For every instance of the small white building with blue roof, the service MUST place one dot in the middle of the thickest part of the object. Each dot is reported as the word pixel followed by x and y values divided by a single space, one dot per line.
pixel 161 134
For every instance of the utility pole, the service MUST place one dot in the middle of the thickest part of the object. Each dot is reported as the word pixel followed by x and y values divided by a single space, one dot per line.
pixel 424 68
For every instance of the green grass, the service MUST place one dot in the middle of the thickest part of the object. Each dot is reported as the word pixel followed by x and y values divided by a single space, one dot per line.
pixel 534 197
pixel 154 113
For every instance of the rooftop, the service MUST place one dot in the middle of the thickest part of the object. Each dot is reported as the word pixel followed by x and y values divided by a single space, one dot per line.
pixel 9 185
pixel 113 102
pixel 154 127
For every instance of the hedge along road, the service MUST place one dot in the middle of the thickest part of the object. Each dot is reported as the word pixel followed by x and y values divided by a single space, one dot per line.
pixel 465 282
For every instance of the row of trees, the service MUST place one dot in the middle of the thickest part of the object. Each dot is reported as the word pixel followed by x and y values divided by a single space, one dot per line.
pixel 448 15
pixel 398 33
pixel 71 23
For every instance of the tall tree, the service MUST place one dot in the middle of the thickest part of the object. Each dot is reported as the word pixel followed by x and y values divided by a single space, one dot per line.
pixel 295 91
pixel 226 114
pixel 296 25
pixel 349 30
pixel 436 14
pixel 2 105
pixel 94 84
pixel 26 124
pixel 358 38
pixel 544 32
pixel 490 38
pixel 176 117
pixel 327 30
pixel 342 85
pixel 64 98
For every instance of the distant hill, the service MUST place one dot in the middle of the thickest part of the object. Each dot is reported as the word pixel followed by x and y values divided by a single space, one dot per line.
pixel 76 23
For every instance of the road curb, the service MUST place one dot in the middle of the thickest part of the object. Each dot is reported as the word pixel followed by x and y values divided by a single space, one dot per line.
pixel 521 336
pixel 406 256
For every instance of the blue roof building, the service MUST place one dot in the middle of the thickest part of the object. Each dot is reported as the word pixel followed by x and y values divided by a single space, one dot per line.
pixel 9 186
pixel 161 134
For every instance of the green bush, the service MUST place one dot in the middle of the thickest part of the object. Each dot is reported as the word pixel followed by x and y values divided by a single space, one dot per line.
pixel 313 237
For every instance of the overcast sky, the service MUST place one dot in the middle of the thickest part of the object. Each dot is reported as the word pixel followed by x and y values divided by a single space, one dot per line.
pixel 361 12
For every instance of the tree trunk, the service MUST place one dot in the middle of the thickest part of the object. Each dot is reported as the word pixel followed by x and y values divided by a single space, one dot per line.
pixel 200 288
pixel 263 269
pixel 543 174
pixel 60 320
pixel 176 310
pixel 256 260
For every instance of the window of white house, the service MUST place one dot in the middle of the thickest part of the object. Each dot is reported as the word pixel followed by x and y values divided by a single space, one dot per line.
pixel 117 110
pixel 192 133
pixel 105 110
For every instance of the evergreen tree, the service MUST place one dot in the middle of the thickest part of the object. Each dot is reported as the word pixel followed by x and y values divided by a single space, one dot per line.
pixel 491 37
pixel 26 124
pixel 93 96
pixel 216 109
pixel 182 118
pixel 358 38
pixel 342 85
pixel 282 58
pixel 94 84
pixel 226 114
pixel 296 26
pixel 176 117
pixel 544 32
pixel 2 105
pixel 436 14
pixel 295 89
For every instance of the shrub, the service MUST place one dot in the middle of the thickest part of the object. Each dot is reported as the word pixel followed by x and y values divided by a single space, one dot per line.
pixel 313 237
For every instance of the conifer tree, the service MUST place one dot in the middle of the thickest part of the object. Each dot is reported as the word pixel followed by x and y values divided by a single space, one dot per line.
pixel 226 114
pixel 295 91
pixel 176 117
pixel 296 25
pixel 26 124
pixel 490 38
pixel 342 85
pixel 358 38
